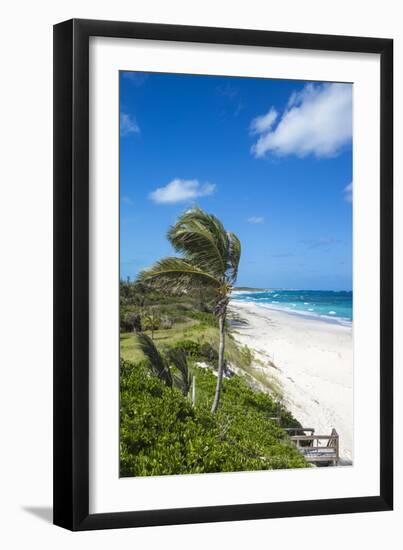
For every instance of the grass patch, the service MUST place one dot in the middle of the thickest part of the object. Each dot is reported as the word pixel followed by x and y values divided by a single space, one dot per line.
pixel 198 332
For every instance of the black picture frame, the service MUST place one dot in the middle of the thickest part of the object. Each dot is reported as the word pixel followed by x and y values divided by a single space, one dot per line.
pixel 71 274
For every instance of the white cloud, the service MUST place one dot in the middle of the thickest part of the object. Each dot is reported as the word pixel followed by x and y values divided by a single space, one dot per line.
pixel 317 120
pixel 348 192
pixel 179 190
pixel 128 125
pixel 256 219
pixel 263 123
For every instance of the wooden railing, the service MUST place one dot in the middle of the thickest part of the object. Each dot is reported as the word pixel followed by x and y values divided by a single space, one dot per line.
pixel 311 445
pixel 297 431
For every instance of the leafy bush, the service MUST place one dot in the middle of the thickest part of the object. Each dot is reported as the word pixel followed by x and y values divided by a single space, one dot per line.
pixel 208 352
pixel 190 347
pixel 130 321
pixel 198 351
pixel 166 322
pixel 162 433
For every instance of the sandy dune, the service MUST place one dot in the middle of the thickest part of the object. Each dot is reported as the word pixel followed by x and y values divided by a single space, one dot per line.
pixel 313 364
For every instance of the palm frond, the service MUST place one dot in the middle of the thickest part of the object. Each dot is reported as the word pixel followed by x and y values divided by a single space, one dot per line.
pixel 157 363
pixel 184 380
pixel 176 275
pixel 202 239
pixel 234 256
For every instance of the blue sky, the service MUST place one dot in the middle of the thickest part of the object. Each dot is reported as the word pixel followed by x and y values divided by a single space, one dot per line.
pixel 271 158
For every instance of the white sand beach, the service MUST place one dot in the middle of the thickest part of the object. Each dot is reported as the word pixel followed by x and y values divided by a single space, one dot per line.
pixel 313 364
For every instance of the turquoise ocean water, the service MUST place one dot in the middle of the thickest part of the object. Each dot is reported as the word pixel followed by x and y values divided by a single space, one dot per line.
pixel 327 305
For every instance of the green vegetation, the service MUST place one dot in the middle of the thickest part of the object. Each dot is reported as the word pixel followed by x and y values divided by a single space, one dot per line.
pixel 163 433
pixel 174 324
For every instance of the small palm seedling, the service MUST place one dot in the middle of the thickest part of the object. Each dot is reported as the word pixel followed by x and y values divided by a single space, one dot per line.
pixel 172 368
pixel 159 366
pixel 183 378
pixel 152 321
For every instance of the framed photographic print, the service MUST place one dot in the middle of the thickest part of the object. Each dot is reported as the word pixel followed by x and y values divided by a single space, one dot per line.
pixel 223 321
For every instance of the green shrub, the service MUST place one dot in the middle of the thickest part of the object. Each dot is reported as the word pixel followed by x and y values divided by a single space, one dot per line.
pixel 208 352
pixel 190 347
pixel 130 321
pixel 162 433
pixel 166 322
pixel 198 351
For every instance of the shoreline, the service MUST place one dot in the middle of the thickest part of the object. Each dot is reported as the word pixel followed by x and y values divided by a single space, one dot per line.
pixel 301 313
pixel 311 360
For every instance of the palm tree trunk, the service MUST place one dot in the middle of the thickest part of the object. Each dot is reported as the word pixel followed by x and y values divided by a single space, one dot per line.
pixel 221 324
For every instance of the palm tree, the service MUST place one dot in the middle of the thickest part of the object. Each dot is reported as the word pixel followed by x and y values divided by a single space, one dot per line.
pixel 210 260
pixel 152 321
pixel 161 366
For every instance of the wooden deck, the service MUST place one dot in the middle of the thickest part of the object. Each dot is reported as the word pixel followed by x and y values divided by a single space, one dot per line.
pixel 316 448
